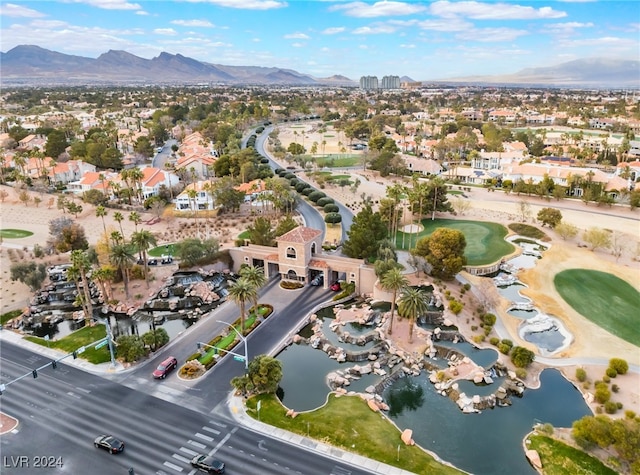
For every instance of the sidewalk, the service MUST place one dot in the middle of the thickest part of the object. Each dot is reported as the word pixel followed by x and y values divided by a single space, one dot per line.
pixel 236 406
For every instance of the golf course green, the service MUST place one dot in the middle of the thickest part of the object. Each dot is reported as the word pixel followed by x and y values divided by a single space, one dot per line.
pixel 485 241
pixel 15 233
pixel 603 298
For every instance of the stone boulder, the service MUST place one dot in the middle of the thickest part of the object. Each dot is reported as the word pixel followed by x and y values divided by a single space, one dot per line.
pixel 534 458
pixel 406 437
pixel 373 405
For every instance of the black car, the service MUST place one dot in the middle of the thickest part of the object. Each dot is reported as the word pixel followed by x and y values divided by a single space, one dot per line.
pixel 109 443
pixel 207 464
pixel 152 262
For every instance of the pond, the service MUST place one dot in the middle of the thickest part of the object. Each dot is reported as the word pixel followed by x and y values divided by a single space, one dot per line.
pixel 489 442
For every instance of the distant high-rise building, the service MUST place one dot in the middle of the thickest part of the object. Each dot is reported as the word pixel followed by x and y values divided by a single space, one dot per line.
pixel 369 83
pixel 391 82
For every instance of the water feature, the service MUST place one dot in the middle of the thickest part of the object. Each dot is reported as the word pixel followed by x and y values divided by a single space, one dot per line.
pixel 512 292
pixel 485 357
pixel 489 442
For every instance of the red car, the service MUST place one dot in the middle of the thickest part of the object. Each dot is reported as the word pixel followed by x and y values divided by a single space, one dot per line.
pixel 335 286
pixel 165 368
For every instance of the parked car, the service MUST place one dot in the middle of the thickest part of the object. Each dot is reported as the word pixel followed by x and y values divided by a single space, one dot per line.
pixel 152 262
pixel 318 280
pixel 165 367
pixel 335 286
pixel 166 260
pixel 207 464
pixel 109 443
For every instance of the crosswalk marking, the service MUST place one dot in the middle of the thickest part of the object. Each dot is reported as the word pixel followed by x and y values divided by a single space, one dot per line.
pixel 204 437
pixel 181 458
pixel 172 466
pixel 209 429
pixel 186 450
pixel 197 444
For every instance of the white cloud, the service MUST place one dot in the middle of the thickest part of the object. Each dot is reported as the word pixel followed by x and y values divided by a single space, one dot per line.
pixel 18 11
pixel 453 24
pixel 110 4
pixel 567 28
pixel 490 35
pixel 200 23
pixel 333 30
pixel 256 40
pixel 492 11
pixel 384 8
pixel 298 45
pixel 296 36
pixel 165 31
pixel 245 4
pixel 375 30
pixel 408 46
pixel 52 24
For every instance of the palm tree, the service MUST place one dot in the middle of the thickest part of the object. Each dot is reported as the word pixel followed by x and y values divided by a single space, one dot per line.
pixel 136 175
pixel 122 256
pixel 143 240
pixel 134 216
pixel 119 218
pixel 239 292
pixel 393 281
pixel 104 275
pixel 192 193
pixel 81 266
pixel 116 237
pixel 255 275
pixel 413 303
pixel 101 212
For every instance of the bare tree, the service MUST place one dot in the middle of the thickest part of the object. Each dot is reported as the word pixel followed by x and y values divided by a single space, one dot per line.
pixel 597 238
pixel 460 205
pixel 524 208
pixel 618 244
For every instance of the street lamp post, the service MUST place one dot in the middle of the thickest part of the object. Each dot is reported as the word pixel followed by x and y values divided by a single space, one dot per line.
pixel 107 324
pixel 244 341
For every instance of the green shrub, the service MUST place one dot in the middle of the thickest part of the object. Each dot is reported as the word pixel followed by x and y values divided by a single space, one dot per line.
pixel 611 372
pixel 478 338
pixel 504 349
pixel 316 195
pixel 602 394
pixel 466 286
pixel 615 388
pixel 581 375
pixel 620 365
pixel 522 357
pixel 494 340
pixel 521 373
pixel 610 407
pixel 489 319
pixel 606 379
pixel 330 207
pixel 456 307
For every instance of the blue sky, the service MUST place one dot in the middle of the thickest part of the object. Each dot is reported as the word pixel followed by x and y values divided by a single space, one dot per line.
pixel 420 39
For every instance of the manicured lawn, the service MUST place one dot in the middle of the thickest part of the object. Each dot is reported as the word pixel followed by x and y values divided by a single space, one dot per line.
pixel 348 423
pixel 485 241
pixel 82 337
pixel 165 249
pixel 5 317
pixel 15 233
pixel 560 459
pixel 603 298
pixel 336 161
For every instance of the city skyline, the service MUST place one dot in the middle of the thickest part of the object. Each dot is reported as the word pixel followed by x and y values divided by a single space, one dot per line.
pixel 422 40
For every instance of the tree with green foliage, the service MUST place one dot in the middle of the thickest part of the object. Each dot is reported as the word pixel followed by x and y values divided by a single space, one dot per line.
pixel 240 292
pixel 566 230
pixel 444 251
pixel 597 238
pixel 393 281
pixel 296 149
pixel 285 225
pixel 143 240
pixel 255 275
pixel 522 357
pixel 121 255
pixel 365 234
pixel 261 233
pixel 619 365
pixel 263 376
pixel 130 348
pixel 29 273
pixel 56 144
pixel 333 218
pixel 155 338
pixel 412 304
pixel 81 267
pixel 550 217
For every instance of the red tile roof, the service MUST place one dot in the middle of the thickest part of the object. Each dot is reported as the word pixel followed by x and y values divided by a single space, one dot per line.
pixel 301 234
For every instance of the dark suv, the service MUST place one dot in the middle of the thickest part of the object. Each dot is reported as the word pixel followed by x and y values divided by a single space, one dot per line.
pixel 165 368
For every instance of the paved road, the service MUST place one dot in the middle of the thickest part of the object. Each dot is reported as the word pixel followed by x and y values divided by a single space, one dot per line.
pixel 63 410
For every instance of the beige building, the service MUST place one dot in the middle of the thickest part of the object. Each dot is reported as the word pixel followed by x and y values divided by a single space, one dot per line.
pixel 299 257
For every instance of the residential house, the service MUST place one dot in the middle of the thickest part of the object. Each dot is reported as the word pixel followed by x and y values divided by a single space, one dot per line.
pixel 154 178
pixel 195 155
pixel 32 142
pixel 253 190
pixel 630 170
pixel 69 171
pixel 502 116
pixel 202 201
pixel 424 166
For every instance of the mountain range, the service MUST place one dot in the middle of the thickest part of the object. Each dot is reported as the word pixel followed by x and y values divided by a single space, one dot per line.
pixel 32 65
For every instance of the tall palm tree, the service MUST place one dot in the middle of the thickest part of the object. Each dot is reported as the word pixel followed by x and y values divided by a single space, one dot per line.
pixel 116 237
pixel 143 240
pixel 413 303
pixel 81 266
pixel 136 175
pixel 393 281
pixel 134 216
pixel 117 216
pixel 240 292
pixel 255 275
pixel 104 276
pixel 122 256
pixel 101 212
pixel 192 193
